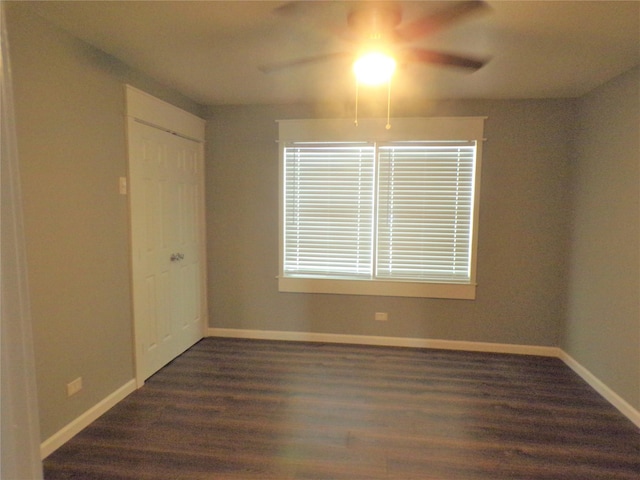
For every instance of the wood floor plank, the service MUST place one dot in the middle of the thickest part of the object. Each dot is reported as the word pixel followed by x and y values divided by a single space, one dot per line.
pixel 235 409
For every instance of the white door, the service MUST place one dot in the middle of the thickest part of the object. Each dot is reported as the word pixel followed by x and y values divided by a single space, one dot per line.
pixel 166 183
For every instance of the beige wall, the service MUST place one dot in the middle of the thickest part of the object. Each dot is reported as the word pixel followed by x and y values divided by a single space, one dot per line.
pixel 71 139
pixel 522 231
pixel 603 320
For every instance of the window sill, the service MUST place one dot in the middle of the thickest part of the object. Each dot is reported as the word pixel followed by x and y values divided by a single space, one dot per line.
pixel 377 288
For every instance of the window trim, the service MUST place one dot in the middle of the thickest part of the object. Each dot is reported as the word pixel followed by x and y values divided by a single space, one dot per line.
pixel 388 288
pixel 373 130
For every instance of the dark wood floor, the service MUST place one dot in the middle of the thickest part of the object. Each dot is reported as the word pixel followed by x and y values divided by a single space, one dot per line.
pixel 245 409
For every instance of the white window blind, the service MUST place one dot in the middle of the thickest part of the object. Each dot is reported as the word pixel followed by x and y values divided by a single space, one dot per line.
pixel 371 211
pixel 328 210
pixel 425 203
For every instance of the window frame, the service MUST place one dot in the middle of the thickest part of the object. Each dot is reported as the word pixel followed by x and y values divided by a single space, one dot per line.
pixel 373 131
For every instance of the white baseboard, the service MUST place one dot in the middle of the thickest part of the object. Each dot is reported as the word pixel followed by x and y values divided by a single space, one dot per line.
pixel 385 341
pixel 624 407
pixel 65 434
pixel 612 397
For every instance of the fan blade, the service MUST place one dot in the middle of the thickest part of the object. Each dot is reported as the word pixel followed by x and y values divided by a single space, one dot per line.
pixel 294 7
pixel 287 8
pixel 436 21
pixel 273 67
pixel 317 15
pixel 441 58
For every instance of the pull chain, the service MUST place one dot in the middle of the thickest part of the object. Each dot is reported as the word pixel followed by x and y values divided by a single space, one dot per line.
pixel 388 125
pixel 356 120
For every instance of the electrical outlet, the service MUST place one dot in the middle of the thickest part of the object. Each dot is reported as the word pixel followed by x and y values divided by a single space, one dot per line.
pixel 381 316
pixel 74 386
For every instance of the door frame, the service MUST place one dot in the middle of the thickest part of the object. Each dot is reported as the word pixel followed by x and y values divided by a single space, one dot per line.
pixel 149 110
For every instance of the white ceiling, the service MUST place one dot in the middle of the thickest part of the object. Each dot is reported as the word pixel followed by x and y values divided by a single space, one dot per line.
pixel 210 50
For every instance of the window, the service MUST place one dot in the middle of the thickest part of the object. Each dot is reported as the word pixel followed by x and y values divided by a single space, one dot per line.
pixel 371 211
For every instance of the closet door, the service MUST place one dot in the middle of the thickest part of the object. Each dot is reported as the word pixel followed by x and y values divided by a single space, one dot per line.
pixel 166 178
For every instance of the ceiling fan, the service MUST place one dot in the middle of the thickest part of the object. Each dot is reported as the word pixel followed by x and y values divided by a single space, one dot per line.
pixel 377 26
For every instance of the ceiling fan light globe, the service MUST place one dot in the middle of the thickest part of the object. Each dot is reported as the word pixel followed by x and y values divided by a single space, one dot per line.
pixel 374 68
